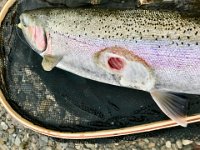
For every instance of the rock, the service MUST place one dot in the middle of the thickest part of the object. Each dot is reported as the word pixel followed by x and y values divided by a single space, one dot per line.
pixel 168 144
pixel 96 146
pixel 4 126
pixel 34 146
pixel 14 135
pixel 151 145
pixel 179 144
pixel 141 143
pixel 163 147
pixel 77 146
pixel 48 148
pixel 187 147
pixel 17 141
pixel 187 142
pixel 11 131
pixel 146 140
pixel 174 147
pixel 58 146
pixel 64 145
pixel 197 142
pixel 91 146
pixel 44 138
pixel 87 148
pixel 4 147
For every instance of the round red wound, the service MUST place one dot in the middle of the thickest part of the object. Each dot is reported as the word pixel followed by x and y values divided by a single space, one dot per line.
pixel 116 63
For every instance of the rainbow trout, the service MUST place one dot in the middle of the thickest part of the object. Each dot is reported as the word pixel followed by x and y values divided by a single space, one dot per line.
pixel 153 51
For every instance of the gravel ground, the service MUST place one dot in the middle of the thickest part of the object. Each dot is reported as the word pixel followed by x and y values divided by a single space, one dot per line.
pixel 14 136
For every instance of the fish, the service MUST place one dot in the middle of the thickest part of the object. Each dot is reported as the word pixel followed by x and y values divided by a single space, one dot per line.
pixel 153 51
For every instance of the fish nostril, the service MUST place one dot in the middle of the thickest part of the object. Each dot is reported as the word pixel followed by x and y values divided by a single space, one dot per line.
pixel 22 20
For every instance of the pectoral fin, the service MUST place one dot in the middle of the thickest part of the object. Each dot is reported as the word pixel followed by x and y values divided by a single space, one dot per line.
pixel 49 62
pixel 173 106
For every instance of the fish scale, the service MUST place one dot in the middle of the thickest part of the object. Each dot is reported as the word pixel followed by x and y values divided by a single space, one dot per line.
pixel 153 51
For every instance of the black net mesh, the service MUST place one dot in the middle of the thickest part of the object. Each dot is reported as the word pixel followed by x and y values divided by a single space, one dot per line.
pixel 63 101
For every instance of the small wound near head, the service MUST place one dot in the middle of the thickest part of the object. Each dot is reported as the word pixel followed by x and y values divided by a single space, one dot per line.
pixel 115 63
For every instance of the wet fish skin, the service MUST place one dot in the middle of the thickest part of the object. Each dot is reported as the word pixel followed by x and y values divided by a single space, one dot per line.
pixel 157 52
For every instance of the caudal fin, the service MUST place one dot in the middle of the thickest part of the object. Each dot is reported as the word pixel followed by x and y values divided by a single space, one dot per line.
pixel 173 106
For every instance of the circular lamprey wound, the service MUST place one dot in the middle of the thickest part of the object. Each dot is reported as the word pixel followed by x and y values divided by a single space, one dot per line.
pixel 116 63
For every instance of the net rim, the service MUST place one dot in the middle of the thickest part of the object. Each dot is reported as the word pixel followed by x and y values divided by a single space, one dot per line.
pixel 89 134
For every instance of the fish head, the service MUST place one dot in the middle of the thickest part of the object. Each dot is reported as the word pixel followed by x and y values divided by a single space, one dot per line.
pixel 33 28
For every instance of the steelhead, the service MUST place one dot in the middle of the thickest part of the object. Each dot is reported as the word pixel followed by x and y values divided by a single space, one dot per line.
pixel 153 51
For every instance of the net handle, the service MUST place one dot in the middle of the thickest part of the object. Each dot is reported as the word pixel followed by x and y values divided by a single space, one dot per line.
pixel 85 135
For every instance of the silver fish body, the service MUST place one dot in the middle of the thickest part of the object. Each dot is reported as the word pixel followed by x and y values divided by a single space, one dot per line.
pixel 157 52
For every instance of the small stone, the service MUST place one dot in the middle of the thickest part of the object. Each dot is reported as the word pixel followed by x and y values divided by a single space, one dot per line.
pixel 179 144
pixel 58 146
pixel 187 142
pixel 34 146
pixel 146 140
pixel 48 148
pixel 141 143
pixel 174 147
pixel 168 144
pixel 197 142
pixel 77 146
pixel 187 147
pixel 3 147
pixel 11 131
pixel 1 141
pixel 163 147
pixel 44 138
pixel 151 145
pixel 89 145
pixel 4 125
pixel 17 141
pixel 64 145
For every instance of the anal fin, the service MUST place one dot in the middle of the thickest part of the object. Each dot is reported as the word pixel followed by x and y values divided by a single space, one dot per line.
pixel 49 62
pixel 172 105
